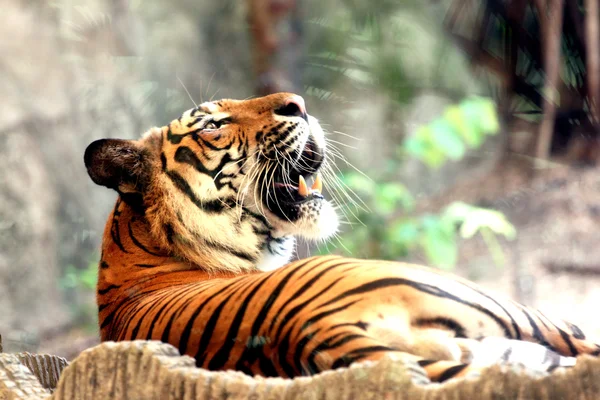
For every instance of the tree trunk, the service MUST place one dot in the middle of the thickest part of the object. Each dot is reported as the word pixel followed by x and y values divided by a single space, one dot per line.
pixel 593 58
pixel 551 20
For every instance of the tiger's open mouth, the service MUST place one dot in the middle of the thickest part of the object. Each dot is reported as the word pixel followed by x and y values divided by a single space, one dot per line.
pixel 293 184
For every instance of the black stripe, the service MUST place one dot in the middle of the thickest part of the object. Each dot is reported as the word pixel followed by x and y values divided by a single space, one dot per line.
pixel 536 333
pixel 568 341
pixel 308 285
pixel 103 264
pixel 250 355
pixel 174 138
pixel 355 355
pixel 146 265
pixel 299 349
pixel 223 354
pixel 163 161
pixel 308 323
pixel 577 333
pixel 137 242
pixel 294 311
pixel 115 232
pixel 541 318
pixel 186 333
pixel 187 156
pixel 451 324
pixel 169 232
pixel 166 331
pixel 360 324
pixel 210 206
pixel 116 235
pixel 230 250
pixel 327 345
pixel 267 367
pixel 283 353
pixel 513 322
pixel 451 372
pixel 108 289
pixel 423 287
pixel 208 331
pixel 424 363
pixel 156 301
pixel 123 306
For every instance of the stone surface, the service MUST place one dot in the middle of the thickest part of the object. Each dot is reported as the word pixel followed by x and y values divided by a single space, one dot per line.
pixel 153 370
pixel 17 381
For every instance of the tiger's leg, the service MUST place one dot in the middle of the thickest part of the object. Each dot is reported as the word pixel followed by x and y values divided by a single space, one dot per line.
pixel 347 347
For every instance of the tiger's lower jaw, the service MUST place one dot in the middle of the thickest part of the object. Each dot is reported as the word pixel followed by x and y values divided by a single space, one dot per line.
pixel 315 219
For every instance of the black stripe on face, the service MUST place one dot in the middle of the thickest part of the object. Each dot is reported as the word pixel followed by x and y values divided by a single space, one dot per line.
pixel 227 249
pixel 186 155
pixel 209 206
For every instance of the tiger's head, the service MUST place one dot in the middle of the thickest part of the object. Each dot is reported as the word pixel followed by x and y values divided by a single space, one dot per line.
pixel 228 185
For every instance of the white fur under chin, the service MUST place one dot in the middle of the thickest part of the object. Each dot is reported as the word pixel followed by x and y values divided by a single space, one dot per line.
pixel 312 227
pixel 276 255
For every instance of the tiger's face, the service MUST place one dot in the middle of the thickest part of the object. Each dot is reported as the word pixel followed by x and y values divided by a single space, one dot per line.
pixel 243 176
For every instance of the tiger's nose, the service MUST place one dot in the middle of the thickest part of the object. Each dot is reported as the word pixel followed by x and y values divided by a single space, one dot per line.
pixel 293 106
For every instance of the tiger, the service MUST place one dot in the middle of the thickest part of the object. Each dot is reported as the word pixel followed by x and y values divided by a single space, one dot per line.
pixel 197 252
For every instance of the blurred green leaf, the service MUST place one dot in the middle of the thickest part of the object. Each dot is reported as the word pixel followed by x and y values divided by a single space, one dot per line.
pixel 447 140
pixel 404 233
pixel 439 243
pixel 392 196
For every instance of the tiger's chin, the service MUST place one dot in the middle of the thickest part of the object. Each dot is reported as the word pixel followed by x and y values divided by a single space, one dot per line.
pixel 315 220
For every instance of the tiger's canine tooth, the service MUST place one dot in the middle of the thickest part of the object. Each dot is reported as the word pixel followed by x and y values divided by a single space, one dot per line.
pixel 317 184
pixel 302 188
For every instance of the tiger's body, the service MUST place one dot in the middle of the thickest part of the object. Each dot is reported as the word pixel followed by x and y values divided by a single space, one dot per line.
pixel 196 254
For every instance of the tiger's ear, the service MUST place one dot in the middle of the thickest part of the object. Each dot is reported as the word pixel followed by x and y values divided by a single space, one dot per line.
pixel 121 165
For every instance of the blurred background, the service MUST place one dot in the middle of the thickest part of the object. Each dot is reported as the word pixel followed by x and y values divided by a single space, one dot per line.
pixel 465 134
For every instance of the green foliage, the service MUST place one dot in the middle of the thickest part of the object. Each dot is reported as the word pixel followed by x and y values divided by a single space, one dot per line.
pixel 462 127
pixel 75 278
pixel 390 229
pixel 77 285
